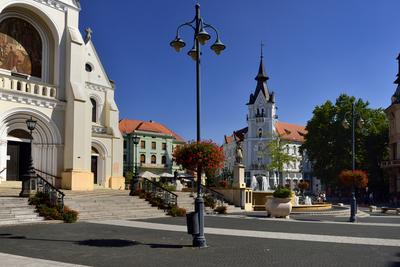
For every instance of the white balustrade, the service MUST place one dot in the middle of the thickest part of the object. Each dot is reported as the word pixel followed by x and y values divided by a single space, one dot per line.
pixel 28 87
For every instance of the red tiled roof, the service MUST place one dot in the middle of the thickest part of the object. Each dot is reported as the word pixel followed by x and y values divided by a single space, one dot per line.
pixel 128 126
pixel 290 132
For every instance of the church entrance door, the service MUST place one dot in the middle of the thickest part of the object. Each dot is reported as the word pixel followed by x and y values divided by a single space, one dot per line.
pixel 17 163
pixel 94 168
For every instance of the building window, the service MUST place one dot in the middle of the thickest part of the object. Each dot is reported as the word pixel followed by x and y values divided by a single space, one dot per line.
pixel 94 111
pixel 294 150
pixel 153 145
pixel 164 160
pixel 143 144
pixel 260 133
pixel 287 149
pixel 142 158
pixel 125 145
pixel 88 67
pixel 164 146
pixel 21 47
pixel 153 159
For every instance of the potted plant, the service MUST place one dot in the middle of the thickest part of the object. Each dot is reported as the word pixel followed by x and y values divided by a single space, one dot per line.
pixel 280 205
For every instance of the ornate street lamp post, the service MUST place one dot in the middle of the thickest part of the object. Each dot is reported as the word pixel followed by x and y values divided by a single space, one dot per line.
pixel 346 125
pixel 200 38
pixel 30 172
pixel 135 140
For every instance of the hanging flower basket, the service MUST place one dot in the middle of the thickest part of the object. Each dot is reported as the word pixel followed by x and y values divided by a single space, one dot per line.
pixel 357 178
pixel 205 154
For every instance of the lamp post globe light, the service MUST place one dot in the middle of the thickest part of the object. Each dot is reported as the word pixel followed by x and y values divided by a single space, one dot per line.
pixel 135 140
pixel 30 172
pixel 201 36
pixel 346 125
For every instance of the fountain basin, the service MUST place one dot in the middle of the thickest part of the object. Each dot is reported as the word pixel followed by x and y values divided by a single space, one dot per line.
pixel 313 207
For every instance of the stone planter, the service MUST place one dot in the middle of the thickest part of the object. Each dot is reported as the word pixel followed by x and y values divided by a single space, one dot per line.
pixel 278 207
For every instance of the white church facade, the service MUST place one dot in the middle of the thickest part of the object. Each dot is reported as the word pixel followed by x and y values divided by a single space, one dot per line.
pixel 50 73
pixel 262 127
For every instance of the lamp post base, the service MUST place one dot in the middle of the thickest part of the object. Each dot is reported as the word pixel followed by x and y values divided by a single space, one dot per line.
pixel 199 239
pixel 29 185
pixel 353 208
pixel 133 186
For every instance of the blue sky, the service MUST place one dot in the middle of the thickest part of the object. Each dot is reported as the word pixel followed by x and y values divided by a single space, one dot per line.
pixel 314 50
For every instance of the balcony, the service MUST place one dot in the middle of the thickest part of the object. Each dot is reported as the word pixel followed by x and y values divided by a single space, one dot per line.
pixel 19 85
pixel 390 163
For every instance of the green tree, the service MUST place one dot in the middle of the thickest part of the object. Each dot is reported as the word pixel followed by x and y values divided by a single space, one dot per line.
pixel 276 148
pixel 329 145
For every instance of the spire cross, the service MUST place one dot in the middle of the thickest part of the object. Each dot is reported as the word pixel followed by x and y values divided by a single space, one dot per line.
pixel 262 45
pixel 88 34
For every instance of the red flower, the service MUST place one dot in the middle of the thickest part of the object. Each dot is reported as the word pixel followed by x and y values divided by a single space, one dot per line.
pixel 357 178
pixel 204 154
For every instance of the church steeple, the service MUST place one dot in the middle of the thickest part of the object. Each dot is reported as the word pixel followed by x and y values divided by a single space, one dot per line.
pixel 397 81
pixel 261 79
pixel 261 75
pixel 396 96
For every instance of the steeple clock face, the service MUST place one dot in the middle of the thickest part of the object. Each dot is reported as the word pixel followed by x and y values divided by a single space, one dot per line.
pixel 20 47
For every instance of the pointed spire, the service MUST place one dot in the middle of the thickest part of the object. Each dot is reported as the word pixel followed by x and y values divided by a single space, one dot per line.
pixel 261 76
pixel 397 81
pixel 396 95
pixel 261 79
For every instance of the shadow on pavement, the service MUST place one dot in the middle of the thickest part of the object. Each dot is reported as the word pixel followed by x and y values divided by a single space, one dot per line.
pixel 98 242
pixel 107 243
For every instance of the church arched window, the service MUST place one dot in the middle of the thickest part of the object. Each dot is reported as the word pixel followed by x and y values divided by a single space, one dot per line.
pixel 21 47
pixel 94 110
pixel 260 132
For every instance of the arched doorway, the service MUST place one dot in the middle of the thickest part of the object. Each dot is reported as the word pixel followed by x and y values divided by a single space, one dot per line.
pixel 47 151
pixel 98 163
pixel 95 165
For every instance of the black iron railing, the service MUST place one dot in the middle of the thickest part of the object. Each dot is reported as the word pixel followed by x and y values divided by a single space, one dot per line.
pixel 216 195
pixel 55 195
pixel 54 180
pixel 148 186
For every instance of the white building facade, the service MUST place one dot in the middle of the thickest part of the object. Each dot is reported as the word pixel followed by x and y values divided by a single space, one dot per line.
pixel 262 127
pixel 49 72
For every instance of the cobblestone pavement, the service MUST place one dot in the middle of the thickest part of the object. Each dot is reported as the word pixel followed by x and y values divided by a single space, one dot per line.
pixel 99 244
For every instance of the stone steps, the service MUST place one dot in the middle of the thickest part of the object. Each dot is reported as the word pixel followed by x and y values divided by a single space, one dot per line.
pixel 15 210
pixel 110 204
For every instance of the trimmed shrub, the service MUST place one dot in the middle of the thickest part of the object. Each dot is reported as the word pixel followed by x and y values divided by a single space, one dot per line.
pixel 52 212
pixel 175 211
pixel 69 215
pixel 282 193
pixel 209 202
pixel 220 210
